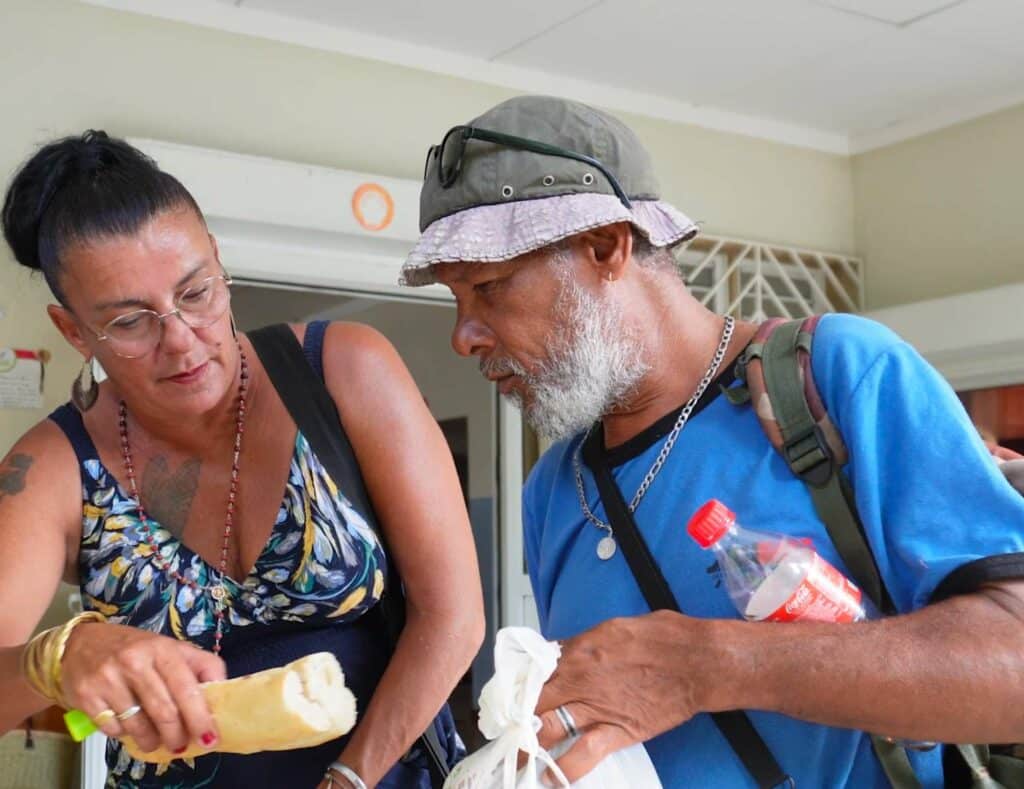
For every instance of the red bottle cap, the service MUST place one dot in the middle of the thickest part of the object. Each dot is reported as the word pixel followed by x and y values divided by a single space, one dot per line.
pixel 710 522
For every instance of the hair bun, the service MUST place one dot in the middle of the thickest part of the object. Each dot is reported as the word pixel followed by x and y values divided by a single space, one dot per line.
pixel 38 181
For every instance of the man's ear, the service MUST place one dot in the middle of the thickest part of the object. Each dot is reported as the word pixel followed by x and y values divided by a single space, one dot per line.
pixel 608 249
pixel 68 326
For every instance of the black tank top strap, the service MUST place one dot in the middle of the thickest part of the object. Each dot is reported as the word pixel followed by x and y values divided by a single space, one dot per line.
pixel 313 346
pixel 69 420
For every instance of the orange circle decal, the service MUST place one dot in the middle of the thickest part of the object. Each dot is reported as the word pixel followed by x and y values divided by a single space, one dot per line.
pixel 373 207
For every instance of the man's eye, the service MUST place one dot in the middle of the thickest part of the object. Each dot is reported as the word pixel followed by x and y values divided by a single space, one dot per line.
pixel 486 287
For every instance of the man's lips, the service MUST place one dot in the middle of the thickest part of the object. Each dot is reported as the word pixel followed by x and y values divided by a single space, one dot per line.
pixel 505 382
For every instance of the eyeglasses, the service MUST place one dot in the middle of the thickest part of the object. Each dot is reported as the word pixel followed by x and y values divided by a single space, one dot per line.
pixel 452 149
pixel 136 333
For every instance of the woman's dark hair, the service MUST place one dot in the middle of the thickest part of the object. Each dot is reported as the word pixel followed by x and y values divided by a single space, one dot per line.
pixel 81 188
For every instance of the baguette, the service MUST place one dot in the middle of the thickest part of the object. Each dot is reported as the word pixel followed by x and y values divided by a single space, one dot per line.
pixel 301 704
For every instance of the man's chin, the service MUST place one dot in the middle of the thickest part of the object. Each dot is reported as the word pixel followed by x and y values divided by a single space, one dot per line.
pixel 554 427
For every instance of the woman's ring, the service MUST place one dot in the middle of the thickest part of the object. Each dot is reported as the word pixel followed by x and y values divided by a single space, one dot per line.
pixel 133 710
pixel 103 717
pixel 567 721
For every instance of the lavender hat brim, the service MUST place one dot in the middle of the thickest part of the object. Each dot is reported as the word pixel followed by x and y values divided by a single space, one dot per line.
pixel 494 233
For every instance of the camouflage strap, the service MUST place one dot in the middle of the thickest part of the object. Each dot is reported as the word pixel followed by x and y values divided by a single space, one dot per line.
pixel 782 390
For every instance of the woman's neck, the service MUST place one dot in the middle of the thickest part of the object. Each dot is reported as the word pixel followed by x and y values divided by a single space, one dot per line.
pixel 195 434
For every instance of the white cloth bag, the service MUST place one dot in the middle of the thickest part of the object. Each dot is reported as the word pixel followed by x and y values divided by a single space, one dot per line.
pixel 523 661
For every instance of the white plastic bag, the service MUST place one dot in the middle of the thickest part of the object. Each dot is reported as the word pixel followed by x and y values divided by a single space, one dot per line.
pixel 523 661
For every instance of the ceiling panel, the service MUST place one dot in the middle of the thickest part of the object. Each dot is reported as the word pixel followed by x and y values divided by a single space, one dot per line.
pixel 836 66
pixel 896 77
pixel 897 12
pixel 691 50
pixel 985 24
pixel 480 29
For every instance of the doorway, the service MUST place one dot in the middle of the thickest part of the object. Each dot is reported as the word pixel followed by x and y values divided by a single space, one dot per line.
pixel 460 399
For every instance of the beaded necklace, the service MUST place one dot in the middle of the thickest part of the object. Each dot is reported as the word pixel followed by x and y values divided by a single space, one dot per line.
pixel 217 591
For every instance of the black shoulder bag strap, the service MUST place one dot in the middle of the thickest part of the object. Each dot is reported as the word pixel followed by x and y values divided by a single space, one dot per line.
pixel 734 724
pixel 311 407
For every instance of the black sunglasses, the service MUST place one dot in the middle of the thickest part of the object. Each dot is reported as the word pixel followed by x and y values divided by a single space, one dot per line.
pixel 453 148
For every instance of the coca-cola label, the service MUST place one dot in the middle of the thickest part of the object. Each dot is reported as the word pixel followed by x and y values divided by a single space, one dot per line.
pixel 824 595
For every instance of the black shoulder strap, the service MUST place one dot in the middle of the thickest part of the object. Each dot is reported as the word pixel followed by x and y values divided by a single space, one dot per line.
pixel 311 407
pixel 734 724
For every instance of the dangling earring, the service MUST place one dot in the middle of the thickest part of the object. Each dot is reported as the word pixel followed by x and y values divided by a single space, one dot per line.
pixel 84 389
pixel 608 275
pixel 234 331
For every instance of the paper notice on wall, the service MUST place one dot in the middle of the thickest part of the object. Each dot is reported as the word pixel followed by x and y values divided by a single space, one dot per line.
pixel 21 379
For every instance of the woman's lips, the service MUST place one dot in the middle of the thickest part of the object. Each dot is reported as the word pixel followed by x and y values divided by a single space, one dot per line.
pixel 189 376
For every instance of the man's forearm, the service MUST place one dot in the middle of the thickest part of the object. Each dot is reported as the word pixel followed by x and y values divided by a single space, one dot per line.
pixel 952 672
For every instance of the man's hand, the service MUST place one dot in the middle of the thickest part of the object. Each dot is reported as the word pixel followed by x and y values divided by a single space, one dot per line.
pixel 625 681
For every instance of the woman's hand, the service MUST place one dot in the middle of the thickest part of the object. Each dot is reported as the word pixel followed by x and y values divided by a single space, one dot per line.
pixel 113 667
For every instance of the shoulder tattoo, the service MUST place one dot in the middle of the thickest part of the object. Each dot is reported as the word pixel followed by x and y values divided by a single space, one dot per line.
pixel 13 471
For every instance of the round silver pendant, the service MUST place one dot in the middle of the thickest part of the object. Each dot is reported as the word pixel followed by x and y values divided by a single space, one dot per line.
pixel 218 593
pixel 606 548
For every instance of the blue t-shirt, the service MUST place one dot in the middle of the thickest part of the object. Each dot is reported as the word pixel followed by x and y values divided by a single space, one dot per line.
pixel 929 495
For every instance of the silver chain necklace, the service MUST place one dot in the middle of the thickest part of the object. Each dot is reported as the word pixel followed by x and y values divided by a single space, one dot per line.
pixel 606 547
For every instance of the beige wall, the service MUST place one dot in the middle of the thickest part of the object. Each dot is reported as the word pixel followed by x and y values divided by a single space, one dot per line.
pixel 941 214
pixel 69 66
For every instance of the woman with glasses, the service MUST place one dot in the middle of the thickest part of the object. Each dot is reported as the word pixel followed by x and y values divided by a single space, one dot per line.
pixel 206 536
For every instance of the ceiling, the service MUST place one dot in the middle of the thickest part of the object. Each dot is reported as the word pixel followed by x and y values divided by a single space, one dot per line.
pixel 837 75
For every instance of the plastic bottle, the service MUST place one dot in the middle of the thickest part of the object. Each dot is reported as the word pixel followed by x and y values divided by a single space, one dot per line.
pixel 774 578
pixel 771 577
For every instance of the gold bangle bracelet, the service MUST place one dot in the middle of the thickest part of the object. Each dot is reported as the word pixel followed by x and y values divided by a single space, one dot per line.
pixel 32 663
pixel 61 643
pixel 41 659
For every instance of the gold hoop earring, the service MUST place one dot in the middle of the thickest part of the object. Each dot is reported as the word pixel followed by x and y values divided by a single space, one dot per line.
pixel 85 389
pixel 608 276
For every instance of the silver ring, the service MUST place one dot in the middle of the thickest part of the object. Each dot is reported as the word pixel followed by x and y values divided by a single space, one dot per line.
pixel 567 721
pixel 132 711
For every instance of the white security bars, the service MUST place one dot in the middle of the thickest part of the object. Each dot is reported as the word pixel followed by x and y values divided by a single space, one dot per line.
pixel 755 281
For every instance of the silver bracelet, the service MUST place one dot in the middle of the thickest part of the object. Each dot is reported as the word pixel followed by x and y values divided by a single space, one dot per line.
pixel 348 774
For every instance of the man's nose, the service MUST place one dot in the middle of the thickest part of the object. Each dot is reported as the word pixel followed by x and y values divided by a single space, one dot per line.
pixel 470 337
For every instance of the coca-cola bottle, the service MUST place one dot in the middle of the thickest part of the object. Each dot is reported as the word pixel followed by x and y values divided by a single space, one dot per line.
pixel 771 577
pixel 774 578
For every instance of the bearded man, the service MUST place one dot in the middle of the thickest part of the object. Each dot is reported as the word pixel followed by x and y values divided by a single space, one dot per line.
pixel 543 218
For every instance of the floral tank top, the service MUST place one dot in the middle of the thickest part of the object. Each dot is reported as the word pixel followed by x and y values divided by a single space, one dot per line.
pixel 322 565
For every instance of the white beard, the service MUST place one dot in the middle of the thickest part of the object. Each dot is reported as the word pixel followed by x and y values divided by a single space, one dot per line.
pixel 592 366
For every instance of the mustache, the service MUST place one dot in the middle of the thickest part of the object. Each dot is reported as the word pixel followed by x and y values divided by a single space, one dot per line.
pixel 498 366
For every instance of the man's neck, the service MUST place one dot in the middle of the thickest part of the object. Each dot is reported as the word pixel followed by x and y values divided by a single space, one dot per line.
pixel 681 353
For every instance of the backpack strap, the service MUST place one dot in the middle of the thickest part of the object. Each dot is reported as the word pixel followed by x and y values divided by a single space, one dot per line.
pixel 297 374
pixel 777 369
